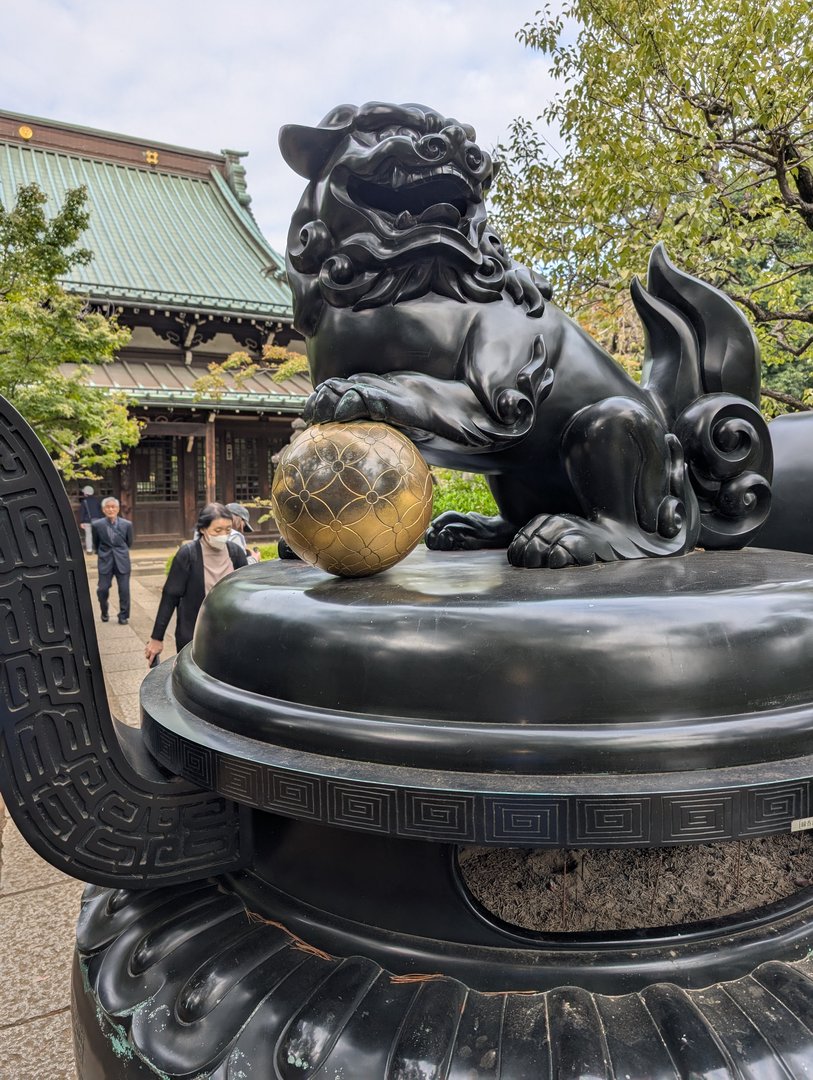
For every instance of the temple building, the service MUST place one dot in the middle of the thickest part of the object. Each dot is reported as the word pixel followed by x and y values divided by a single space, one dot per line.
pixel 180 260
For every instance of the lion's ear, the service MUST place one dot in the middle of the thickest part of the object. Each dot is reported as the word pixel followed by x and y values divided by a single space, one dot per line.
pixel 307 149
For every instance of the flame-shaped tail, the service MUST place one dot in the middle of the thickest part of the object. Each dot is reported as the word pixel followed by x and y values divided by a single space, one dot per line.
pixel 702 371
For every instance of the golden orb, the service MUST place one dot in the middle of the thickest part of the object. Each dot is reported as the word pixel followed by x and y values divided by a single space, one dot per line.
pixel 352 498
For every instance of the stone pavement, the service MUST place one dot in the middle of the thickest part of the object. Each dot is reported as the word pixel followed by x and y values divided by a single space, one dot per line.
pixel 39 905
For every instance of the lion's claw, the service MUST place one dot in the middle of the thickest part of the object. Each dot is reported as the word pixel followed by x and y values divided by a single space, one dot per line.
pixel 351 406
pixel 453 537
pixel 321 405
pixel 554 542
pixel 344 400
pixel 454 531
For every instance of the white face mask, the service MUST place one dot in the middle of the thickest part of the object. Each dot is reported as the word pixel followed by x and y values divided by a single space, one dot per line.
pixel 217 541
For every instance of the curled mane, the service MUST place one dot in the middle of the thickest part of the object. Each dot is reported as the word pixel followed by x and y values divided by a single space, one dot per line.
pixel 350 253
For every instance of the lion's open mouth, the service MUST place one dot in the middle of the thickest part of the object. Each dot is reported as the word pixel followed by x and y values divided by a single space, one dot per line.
pixel 440 196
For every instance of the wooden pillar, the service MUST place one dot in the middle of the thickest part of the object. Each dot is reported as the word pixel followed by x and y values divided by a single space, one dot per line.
pixel 230 451
pixel 190 484
pixel 211 460
pixel 126 492
pixel 263 456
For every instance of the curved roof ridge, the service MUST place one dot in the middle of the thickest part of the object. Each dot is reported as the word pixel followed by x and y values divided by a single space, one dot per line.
pixel 158 236
pixel 101 133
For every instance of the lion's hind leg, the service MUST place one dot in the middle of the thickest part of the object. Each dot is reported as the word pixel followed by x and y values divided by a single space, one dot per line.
pixel 628 475
pixel 454 531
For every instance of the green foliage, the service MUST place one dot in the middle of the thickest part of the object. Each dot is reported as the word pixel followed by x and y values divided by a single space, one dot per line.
pixel 42 328
pixel 690 123
pixel 33 249
pixel 280 362
pixel 461 491
pixel 289 365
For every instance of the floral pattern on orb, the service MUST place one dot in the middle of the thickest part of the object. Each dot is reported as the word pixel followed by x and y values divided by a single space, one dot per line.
pixel 352 499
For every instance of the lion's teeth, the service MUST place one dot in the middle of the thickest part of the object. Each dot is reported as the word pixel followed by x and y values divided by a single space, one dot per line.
pixel 405 220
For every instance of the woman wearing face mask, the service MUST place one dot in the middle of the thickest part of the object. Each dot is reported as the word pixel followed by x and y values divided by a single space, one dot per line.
pixel 196 568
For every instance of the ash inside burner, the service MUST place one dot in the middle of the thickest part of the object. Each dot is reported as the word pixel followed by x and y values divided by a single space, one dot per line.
pixel 626 888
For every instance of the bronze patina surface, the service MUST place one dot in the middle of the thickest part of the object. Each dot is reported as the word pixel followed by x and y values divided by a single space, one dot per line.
pixel 415 314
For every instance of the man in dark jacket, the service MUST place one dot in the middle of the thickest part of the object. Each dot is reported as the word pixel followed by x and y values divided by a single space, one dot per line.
pixel 90 509
pixel 112 540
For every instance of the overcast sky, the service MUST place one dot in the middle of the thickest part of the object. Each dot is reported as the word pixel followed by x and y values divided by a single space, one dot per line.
pixel 210 75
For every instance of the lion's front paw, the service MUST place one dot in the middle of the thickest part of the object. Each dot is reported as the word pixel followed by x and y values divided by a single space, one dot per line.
pixel 554 540
pixel 453 531
pixel 343 400
pixel 450 531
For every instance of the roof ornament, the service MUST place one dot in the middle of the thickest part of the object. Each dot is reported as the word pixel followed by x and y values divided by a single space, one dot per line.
pixel 236 175
pixel 277 273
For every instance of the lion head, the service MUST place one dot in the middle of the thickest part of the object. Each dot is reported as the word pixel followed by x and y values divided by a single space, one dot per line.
pixel 394 209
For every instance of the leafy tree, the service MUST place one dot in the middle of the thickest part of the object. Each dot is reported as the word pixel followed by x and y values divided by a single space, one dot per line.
pixel 276 360
pixel 42 328
pixel 684 121
pixel 281 363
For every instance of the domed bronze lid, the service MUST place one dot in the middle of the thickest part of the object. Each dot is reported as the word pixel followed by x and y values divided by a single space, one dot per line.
pixel 459 662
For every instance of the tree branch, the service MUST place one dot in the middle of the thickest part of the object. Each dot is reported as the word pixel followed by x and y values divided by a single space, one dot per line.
pixel 786 399
pixel 762 314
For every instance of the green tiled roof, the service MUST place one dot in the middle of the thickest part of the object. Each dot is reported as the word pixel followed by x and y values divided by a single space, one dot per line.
pixel 159 238
pixel 155 383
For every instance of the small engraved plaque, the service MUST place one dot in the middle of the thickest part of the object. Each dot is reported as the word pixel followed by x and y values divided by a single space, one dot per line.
pixel 800 824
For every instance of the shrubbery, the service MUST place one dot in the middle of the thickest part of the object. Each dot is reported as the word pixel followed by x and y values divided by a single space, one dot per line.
pixel 461 491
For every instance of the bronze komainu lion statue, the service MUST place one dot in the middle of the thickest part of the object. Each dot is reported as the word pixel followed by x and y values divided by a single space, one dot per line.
pixel 415 315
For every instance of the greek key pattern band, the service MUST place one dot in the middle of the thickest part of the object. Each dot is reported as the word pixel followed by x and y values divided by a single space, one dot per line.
pixel 650 820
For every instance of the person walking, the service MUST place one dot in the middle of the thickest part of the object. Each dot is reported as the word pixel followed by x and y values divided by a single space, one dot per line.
pixel 196 568
pixel 90 510
pixel 241 523
pixel 112 540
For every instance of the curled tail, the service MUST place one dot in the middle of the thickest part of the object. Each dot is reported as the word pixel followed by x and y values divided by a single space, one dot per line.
pixel 702 371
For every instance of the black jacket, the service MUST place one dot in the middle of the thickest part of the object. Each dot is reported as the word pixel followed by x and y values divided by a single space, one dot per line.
pixel 112 545
pixel 90 509
pixel 184 590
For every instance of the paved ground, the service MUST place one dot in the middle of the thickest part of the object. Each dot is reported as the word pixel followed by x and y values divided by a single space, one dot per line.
pixel 39 905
